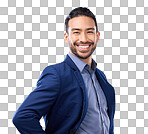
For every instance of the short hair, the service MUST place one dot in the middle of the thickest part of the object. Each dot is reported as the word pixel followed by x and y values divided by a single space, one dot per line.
pixel 80 11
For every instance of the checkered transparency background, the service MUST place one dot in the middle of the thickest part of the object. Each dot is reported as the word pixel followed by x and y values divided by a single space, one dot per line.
pixel 31 38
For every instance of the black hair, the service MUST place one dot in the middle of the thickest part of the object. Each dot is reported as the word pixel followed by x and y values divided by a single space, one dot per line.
pixel 80 11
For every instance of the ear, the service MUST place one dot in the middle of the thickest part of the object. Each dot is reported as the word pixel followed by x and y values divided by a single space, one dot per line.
pixel 98 36
pixel 66 37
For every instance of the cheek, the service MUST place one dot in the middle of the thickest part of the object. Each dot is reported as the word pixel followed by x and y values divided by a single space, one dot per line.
pixel 92 37
pixel 73 39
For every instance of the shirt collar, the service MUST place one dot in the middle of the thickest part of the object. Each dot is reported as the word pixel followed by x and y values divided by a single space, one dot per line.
pixel 81 64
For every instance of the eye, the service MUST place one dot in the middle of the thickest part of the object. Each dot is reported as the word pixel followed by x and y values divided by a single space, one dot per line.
pixel 76 32
pixel 90 32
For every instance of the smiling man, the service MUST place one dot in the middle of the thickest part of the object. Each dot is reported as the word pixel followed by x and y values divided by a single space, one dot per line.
pixel 73 96
pixel 82 37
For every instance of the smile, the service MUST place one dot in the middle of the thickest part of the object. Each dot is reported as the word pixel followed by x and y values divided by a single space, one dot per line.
pixel 84 46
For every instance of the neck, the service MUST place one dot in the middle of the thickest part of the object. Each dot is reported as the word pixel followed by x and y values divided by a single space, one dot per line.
pixel 87 61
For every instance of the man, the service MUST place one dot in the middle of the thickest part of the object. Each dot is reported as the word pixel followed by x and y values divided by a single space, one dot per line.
pixel 73 96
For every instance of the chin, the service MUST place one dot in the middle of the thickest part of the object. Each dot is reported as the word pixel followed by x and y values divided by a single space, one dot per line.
pixel 83 56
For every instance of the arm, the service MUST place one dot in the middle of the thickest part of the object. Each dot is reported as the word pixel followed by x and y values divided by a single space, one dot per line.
pixel 38 103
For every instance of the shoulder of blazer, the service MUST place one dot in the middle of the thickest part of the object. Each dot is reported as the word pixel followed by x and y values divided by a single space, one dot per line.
pixel 67 61
pixel 101 73
pixel 102 76
pixel 60 68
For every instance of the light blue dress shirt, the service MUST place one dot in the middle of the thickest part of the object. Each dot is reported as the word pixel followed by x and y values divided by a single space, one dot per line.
pixel 96 120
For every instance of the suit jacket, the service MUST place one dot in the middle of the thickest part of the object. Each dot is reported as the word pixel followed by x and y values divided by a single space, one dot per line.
pixel 61 98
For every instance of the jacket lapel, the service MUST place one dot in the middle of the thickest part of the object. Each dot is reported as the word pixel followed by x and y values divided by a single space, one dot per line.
pixel 79 78
pixel 77 73
pixel 108 91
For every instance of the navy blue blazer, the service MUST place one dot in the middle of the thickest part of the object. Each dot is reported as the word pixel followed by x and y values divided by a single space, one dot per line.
pixel 61 98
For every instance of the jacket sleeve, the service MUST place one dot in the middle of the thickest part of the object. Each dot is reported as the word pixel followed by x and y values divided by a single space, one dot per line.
pixel 38 103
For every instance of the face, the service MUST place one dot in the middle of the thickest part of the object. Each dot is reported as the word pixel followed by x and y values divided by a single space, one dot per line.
pixel 82 36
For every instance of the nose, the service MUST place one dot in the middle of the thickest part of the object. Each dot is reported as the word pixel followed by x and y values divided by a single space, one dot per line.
pixel 83 37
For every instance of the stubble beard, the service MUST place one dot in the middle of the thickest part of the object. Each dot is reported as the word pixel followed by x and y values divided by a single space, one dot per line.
pixel 74 51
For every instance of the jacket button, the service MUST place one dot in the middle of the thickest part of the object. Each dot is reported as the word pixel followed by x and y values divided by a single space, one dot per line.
pixel 72 131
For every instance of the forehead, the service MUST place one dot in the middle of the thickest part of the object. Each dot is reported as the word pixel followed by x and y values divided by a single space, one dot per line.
pixel 81 22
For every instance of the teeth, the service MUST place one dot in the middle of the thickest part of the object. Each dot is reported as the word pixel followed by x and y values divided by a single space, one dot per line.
pixel 83 46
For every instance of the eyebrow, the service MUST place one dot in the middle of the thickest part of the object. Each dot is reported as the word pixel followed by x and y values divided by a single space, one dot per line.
pixel 90 29
pixel 73 29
